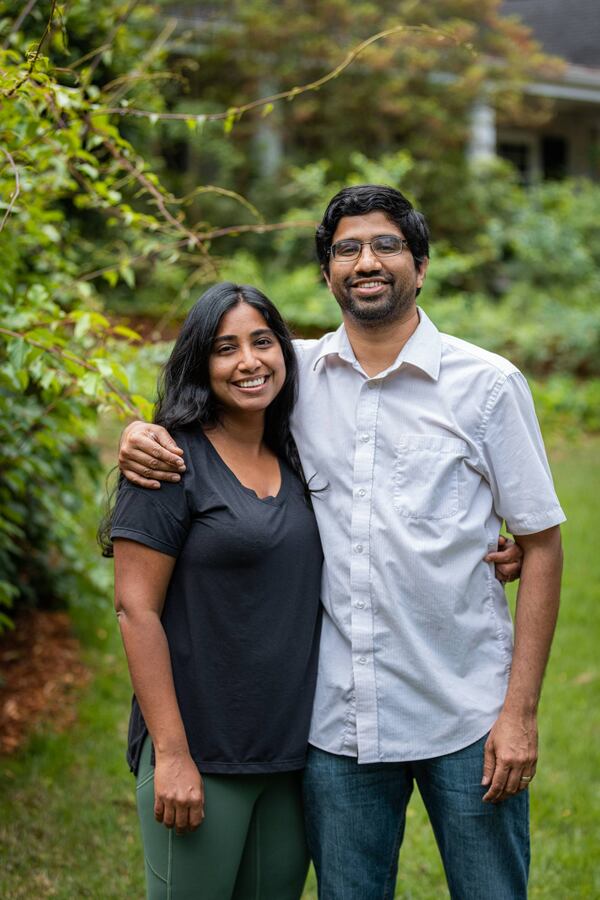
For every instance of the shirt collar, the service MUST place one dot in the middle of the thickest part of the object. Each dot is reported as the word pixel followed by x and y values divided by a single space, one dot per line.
pixel 422 350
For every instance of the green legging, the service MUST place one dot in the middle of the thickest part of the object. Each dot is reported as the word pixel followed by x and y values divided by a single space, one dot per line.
pixel 250 846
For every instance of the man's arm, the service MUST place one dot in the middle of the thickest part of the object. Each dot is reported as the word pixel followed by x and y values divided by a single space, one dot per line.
pixel 511 748
pixel 148 455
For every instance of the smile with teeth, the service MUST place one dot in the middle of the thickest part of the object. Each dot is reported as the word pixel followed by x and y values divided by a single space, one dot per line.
pixel 373 286
pixel 252 382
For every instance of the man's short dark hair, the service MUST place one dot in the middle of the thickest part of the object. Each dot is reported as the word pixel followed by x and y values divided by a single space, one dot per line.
pixel 367 198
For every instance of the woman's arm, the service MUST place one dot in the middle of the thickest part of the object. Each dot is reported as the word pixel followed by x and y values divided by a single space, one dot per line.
pixel 141 579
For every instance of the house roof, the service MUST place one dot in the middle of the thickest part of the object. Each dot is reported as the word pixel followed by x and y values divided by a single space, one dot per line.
pixel 567 28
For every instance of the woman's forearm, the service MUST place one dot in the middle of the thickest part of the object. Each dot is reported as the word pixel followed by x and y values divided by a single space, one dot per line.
pixel 149 663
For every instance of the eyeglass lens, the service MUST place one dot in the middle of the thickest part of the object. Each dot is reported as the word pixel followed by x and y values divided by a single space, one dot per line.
pixel 383 245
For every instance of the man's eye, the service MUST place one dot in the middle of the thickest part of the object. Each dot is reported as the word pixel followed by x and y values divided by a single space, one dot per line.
pixel 347 248
pixel 387 244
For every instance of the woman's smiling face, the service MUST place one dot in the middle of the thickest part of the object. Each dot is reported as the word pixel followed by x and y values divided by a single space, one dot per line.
pixel 246 367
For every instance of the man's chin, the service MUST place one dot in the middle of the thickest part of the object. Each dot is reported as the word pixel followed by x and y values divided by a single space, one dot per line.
pixel 379 309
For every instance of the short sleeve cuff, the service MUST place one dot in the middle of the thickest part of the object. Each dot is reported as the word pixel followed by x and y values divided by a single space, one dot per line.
pixel 147 539
pixel 531 524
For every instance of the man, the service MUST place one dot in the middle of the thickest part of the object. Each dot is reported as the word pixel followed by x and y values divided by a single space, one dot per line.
pixel 426 443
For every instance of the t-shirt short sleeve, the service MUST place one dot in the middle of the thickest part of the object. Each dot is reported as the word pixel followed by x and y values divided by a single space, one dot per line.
pixel 159 519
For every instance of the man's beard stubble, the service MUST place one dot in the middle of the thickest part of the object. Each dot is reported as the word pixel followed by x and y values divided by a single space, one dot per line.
pixel 370 313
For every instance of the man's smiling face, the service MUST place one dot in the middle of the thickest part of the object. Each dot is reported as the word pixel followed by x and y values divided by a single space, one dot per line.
pixel 373 289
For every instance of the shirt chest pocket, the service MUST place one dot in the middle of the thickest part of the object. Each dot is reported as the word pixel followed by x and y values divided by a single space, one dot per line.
pixel 427 476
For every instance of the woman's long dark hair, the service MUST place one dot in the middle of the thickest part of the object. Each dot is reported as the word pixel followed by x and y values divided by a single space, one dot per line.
pixel 185 398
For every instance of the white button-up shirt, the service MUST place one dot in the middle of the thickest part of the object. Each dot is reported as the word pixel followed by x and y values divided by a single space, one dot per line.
pixel 422 463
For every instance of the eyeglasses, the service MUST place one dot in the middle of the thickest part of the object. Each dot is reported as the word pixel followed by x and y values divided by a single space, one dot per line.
pixel 383 245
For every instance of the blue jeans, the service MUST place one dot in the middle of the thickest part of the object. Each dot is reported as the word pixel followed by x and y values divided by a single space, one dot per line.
pixel 355 818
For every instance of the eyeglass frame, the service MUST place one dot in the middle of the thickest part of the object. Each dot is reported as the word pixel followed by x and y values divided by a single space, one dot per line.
pixel 403 244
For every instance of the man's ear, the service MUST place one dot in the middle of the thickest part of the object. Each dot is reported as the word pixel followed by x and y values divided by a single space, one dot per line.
pixel 422 271
pixel 325 275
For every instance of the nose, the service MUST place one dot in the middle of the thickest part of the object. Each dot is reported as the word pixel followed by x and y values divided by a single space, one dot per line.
pixel 367 261
pixel 248 359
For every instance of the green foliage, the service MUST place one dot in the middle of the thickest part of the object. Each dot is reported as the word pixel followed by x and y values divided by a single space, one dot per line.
pixel 73 219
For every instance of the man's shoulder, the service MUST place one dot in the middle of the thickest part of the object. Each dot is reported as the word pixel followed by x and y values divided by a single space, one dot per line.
pixel 457 350
pixel 309 350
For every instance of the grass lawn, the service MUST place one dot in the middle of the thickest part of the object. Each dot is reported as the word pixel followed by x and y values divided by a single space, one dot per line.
pixel 67 819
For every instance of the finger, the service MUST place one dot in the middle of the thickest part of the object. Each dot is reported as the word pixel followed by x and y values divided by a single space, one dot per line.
pixel 497 786
pixel 489 763
pixel 141 482
pixel 526 778
pixel 507 552
pixel 160 445
pixel 508 571
pixel 506 557
pixel 149 453
pixel 182 818
pixel 196 814
pixel 162 437
pixel 149 469
pixel 169 815
pixel 159 809
pixel 513 783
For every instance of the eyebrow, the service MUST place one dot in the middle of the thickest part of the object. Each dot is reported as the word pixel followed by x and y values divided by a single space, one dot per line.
pixel 232 337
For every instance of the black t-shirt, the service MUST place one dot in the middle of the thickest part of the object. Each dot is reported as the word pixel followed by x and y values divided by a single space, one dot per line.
pixel 241 614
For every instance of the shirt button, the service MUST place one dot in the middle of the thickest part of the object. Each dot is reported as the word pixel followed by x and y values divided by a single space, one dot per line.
pixel 365 438
pixel 362 660
pixel 358 548
pixel 361 492
pixel 360 604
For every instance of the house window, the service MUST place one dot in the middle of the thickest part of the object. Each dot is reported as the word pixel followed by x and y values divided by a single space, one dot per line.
pixel 554 157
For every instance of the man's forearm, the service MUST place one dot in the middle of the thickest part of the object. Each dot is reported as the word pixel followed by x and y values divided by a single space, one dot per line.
pixel 535 619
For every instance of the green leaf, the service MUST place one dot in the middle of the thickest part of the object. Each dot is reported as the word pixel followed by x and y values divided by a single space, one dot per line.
pixel 126 332
pixel 111 276
pixel 145 407
pixel 128 275
pixel 229 121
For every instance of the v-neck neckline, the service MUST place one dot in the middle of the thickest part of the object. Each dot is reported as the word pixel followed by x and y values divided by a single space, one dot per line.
pixel 270 499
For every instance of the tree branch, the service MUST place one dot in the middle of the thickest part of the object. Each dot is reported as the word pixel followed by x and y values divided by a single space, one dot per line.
pixel 38 50
pixel 15 193
pixel 237 111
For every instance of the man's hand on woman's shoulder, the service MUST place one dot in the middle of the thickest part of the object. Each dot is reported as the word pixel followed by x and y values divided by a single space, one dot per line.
pixel 148 455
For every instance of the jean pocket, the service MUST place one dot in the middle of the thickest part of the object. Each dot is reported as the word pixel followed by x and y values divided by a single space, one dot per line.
pixel 427 476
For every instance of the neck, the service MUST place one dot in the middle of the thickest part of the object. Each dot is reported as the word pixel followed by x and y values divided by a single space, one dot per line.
pixel 376 346
pixel 245 431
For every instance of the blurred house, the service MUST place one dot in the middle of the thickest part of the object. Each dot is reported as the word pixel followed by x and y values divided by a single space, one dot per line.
pixel 569 143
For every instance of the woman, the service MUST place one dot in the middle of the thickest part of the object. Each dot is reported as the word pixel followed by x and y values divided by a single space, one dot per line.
pixel 217 593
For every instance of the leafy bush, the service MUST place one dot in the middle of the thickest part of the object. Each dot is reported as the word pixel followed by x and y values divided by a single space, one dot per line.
pixel 61 359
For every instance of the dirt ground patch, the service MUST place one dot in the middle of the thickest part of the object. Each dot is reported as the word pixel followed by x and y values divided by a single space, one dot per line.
pixel 40 675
